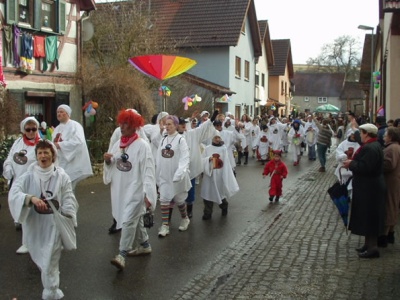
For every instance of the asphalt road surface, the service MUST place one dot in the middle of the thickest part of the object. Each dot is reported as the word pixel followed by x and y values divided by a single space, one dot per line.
pixel 87 273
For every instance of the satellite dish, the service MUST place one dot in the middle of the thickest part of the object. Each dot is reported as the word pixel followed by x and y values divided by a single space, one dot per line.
pixel 87 30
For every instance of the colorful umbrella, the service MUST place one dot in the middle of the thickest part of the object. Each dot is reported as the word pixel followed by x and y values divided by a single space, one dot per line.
pixel 162 66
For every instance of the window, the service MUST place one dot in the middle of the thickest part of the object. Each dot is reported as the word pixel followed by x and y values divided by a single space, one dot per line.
pixel 306 99
pixel 246 70
pixel 322 99
pixel 257 78
pixel 40 15
pixel 238 70
pixel 263 80
pixel 244 28
pixel 282 87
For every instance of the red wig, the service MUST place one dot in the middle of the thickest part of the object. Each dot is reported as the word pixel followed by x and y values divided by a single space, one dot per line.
pixel 131 118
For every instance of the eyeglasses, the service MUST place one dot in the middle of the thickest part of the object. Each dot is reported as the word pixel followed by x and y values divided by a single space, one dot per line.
pixel 30 129
pixel 124 157
pixel 168 146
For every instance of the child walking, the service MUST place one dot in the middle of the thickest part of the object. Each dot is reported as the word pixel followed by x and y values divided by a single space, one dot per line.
pixel 277 169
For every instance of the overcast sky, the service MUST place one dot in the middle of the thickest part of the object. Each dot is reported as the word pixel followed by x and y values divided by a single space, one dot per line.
pixel 309 24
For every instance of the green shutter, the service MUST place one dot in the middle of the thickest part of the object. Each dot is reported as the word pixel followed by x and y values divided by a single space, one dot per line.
pixel 11 12
pixel 37 12
pixel 61 16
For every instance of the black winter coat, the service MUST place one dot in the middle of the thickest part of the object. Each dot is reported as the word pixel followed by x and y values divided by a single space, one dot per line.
pixel 367 215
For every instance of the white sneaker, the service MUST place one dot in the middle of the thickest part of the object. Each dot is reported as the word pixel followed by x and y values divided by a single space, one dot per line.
pixel 119 262
pixel 164 231
pixel 184 224
pixel 140 251
pixel 22 250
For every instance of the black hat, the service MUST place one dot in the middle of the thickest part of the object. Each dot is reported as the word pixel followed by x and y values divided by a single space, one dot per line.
pixel 182 121
pixel 217 123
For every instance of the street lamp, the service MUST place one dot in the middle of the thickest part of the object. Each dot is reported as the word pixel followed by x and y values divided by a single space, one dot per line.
pixel 371 93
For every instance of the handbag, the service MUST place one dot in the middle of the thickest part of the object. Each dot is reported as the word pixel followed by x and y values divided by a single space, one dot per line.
pixel 66 228
pixel 148 219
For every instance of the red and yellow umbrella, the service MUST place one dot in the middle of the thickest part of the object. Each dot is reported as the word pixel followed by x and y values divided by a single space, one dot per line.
pixel 162 66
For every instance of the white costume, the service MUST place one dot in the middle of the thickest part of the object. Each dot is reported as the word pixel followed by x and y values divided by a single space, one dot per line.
pixel 219 181
pixel 275 132
pixel 131 182
pixel 153 133
pixel 344 151
pixel 296 138
pixel 21 155
pixel 172 168
pixel 254 132
pixel 73 155
pixel 194 138
pixel 311 131
pixel 40 234
pixel 230 138
pixel 263 145
pixel 15 165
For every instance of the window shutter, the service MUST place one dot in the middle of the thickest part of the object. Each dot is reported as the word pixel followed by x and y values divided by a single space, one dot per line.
pixel 37 12
pixel 11 11
pixel 61 16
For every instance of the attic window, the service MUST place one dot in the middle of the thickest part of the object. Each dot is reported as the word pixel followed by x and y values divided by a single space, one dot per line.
pixel 306 99
pixel 244 28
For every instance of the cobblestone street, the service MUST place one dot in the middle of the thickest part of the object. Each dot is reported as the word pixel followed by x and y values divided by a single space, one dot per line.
pixel 298 249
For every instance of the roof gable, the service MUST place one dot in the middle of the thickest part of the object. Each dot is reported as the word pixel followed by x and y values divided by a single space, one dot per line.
pixel 318 84
pixel 352 91
pixel 266 40
pixel 207 23
pixel 282 57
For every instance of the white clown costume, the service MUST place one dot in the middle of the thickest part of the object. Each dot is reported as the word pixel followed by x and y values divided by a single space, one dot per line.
pixel 40 233
pixel 73 155
pixel 131 181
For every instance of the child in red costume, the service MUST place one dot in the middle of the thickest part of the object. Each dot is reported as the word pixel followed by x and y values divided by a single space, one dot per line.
pixel 278 170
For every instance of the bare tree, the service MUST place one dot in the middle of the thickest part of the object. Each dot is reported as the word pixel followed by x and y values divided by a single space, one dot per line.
pixel 341 56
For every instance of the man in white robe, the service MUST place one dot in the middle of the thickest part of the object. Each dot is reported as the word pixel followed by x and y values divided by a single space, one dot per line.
pixel 311 131
pixel 129 167
pixel 73 154
pixel 219 182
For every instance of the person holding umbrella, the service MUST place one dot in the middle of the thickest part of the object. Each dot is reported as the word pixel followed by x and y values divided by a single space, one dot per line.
pixel 367 215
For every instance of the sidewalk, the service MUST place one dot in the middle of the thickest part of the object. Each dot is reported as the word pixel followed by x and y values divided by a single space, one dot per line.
pixel 299 249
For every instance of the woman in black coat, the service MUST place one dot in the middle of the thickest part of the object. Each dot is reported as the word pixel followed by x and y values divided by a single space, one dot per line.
pixel 368 200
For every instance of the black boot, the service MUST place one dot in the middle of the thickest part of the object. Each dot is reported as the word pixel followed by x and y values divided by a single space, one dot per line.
pixel 390 237
pixel 246 158
pixel 189 209
pixel 276 198
pixel 113 229
pixel 271 198
pixel 382 241
pixel 171 209
pixel 240 154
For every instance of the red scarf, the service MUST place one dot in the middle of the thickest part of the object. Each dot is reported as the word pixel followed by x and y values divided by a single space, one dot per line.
pixel 371 140
pixel 127 140
pixel 32 142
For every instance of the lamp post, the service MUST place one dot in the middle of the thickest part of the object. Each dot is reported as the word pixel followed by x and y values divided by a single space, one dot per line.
pixel 371 93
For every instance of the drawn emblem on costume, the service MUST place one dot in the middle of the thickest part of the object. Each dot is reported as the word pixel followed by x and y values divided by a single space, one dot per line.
pixel 217 162
pixel 49 210
pixel 123 164
pixel 264 139
pixel 275 131
pixel 252 133
pixel 58 138
pixel 167 152
pixel 20 157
